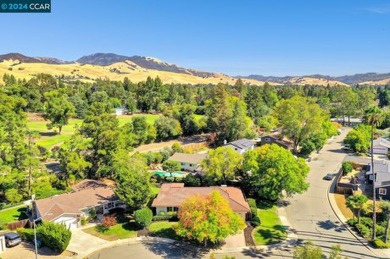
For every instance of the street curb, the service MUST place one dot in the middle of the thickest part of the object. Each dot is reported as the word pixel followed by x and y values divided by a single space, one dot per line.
pixel 343 220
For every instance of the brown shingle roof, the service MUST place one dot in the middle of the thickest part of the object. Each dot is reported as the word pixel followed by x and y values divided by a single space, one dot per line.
pixel 72 203
pixel 173 194
pixel 188 158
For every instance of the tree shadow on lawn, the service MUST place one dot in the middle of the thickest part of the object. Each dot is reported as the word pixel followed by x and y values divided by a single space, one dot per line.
pixel 264 204
pixel 22 214
pixel 273 235
pixel 166 233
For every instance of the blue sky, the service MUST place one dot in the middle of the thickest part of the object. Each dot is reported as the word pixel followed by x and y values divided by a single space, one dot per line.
pixel 273 37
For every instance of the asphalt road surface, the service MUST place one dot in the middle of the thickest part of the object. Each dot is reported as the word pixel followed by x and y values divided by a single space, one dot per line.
pixel 311 215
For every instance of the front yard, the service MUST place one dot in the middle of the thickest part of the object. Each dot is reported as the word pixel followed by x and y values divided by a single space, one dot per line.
pixel 271 230
pixel 163 229
pixel 12 214
pixel 119 231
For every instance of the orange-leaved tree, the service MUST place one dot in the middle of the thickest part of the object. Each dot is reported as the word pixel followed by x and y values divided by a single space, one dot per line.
pixel 207 218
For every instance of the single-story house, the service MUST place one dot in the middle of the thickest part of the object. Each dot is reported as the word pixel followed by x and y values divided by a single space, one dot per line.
pixel 171 195
pixel 277 138
pixel 382 178
pixel 120 111
pixel 347 120
pixel 381 146
pixel 68 208
pixel 242 145
pixel 189 162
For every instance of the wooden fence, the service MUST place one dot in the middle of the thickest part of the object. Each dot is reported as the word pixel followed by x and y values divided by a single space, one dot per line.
pixel 19 224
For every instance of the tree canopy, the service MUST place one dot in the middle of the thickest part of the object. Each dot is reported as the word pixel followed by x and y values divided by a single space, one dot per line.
pixel 272 169
pixel 207 219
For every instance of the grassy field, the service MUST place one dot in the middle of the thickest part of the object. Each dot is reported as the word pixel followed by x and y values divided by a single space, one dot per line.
pixel 12 214
pixel 50 138
pixel 163 229
pixel 119 231
pixel 270 230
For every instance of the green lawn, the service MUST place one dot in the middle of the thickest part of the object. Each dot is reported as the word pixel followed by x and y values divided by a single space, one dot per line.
pixel 50 138
pixel 271 230
pixel 119 231
pixel 163 229
pixel 12 214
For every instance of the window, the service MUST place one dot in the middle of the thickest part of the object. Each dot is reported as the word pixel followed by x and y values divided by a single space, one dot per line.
pixel 267 139
pixel 382 191
pixel 171 209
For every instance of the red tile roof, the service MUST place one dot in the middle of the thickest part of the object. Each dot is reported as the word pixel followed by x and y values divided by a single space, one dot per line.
pixel 173 194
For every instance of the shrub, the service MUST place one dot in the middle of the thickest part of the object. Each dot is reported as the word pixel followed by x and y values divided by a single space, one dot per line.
pixel 352 222
pixel 109 221
pixel 192 180
pixel 253 206
pixel 92 214
pixel 83 221
pixel 27 234
pixel 54 236
pixel 347 167
pixel 363 230
pixel 255 221
pixel 378 243
pixel 13 195
pixel 177 148
pixel 143 217
pixel 171 217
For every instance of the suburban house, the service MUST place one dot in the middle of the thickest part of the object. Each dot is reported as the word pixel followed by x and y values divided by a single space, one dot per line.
pixel 171 195
pixel 189 162
pixel 242 145
pixel 276 138
pixel 347 120
pixel 382 178
pixel 381 146
pixel 69 208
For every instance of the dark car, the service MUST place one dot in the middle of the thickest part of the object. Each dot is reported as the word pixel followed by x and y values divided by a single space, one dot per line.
pixel 328 177
pixel 12 239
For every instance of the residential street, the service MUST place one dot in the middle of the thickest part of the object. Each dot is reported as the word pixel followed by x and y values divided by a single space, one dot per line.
pixel 311 215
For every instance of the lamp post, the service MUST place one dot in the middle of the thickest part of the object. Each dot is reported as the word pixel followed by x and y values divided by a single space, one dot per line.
pixel 35 237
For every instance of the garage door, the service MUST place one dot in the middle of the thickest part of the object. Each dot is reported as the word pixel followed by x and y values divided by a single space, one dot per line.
pixel 70 222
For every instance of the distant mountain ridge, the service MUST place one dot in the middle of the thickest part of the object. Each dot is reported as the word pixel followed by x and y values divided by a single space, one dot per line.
pixel 366 78
pixel 106 59
pixel 121 64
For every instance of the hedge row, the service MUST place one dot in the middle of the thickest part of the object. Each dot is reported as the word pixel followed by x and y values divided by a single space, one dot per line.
pixel 255 218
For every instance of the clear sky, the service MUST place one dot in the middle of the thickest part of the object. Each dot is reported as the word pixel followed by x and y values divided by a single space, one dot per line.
pixel 273 37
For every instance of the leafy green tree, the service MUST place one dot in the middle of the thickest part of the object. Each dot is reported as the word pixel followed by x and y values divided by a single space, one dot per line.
pixel 356 202
pixel 226 115
pixel 73 155
pixel 143 217
pixel 143 132
pixel 273 169
pixel 308 251
pixel 57 110
pixel 102 129
pixel 171 166
pixel 132 180
pixel 335 252
pixel 222 164
pixel 359 138
pixel 299 118
pixel 347 167
pixel 13 195
pixel 167 128
pixel 207 219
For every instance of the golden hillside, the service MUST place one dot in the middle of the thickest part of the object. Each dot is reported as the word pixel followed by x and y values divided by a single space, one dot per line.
pixel 314 81
pixel 117 71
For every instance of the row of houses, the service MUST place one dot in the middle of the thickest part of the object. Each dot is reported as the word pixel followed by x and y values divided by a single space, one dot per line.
pixel 89 195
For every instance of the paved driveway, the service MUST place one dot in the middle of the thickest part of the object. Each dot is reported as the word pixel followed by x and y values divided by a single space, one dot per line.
pixel 83 243
pixel 311 215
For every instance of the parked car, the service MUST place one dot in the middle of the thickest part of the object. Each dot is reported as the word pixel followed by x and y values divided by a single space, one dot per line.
pixel 328 177
pixel 12 239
